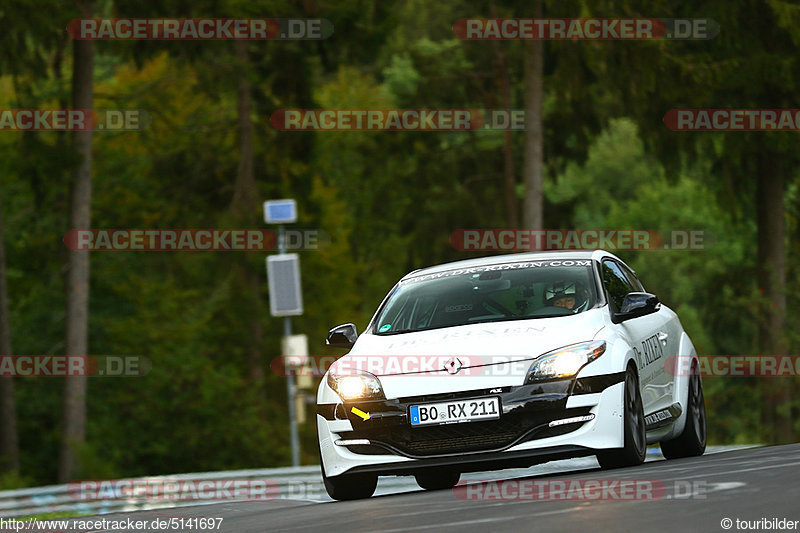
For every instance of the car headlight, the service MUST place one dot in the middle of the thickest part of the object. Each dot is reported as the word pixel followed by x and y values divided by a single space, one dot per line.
pixel 565 362
pixel 356 386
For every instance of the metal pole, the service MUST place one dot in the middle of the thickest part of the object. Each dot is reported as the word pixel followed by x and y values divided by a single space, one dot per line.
pixel 290 393
pixel 290 388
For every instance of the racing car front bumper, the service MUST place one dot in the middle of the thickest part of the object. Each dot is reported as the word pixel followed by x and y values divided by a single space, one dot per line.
pixel 538 422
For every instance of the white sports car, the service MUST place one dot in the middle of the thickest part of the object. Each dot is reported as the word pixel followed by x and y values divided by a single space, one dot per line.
pixel 507 361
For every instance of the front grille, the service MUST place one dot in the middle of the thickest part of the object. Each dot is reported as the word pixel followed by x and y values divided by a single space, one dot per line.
pixel 469 436
pixel 437 440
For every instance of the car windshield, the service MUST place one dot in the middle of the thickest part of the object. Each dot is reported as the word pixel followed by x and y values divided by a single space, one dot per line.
pixel 490 293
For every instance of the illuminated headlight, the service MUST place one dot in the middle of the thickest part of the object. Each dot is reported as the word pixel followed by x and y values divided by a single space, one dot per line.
pixel 565 362
pixel 356 386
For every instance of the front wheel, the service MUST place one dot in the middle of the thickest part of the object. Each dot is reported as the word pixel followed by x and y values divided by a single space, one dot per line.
pixel 350 486
pixel 633 452
pixel 692 442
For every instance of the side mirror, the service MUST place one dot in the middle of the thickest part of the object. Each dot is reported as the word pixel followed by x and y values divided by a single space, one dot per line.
pixel 636 304
pixel 343 336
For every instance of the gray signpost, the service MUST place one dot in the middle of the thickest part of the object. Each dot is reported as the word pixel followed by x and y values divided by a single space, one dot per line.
pixel 285 297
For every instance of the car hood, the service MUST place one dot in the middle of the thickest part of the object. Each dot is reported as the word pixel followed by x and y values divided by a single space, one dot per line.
pixel 410 364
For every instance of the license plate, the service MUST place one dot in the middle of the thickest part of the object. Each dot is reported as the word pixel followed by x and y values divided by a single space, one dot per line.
pixel 455 412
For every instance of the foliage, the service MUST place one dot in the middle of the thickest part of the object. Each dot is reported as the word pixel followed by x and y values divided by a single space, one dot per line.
pixel 387 201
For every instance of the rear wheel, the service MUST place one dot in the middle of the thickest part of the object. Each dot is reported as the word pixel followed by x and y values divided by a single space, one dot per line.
pixel 633 452
pixel 437 479
pixel 692 442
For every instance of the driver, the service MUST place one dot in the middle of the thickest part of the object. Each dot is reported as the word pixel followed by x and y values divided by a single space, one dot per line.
pixel 565 301
pixel 565 294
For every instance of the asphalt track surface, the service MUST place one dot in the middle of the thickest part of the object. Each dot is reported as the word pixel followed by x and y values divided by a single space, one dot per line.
pixel 694 495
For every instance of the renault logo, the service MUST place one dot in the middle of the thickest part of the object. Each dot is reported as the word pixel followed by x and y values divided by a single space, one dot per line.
pixel 453 365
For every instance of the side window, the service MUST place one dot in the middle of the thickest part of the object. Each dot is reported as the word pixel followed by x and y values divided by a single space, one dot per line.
pixel 635 283
pixel 616 284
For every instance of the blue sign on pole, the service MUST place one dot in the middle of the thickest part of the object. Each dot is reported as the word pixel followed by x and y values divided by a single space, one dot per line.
pixel 280 211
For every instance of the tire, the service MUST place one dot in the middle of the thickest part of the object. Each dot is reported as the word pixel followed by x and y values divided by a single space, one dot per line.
pixel 692 442
pixel 437 479
pixel 348 486
pixel 633 453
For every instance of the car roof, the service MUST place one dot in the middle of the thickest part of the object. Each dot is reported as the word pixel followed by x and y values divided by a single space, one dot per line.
pixel 513 258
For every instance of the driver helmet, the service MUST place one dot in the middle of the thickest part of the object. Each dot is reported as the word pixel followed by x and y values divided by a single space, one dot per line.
pixel 565 293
